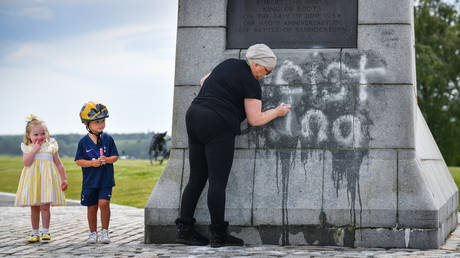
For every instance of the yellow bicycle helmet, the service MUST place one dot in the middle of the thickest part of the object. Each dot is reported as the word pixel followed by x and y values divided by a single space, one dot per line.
pixel 92 111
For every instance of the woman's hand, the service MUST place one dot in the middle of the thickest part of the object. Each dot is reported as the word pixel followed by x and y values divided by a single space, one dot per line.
pixel 256 117
pixel 283 109
pixel 204 79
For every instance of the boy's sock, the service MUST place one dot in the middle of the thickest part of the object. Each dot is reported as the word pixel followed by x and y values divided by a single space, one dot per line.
pixel 45 231
pixel 35 232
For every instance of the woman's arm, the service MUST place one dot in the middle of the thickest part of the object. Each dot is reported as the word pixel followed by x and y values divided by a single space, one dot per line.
pixel 256 117
pixel 61 169
pixel 204 79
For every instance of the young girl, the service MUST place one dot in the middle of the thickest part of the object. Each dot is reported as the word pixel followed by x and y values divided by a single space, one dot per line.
pixel 43 178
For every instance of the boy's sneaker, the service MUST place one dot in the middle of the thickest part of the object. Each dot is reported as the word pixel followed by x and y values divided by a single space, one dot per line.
pixel 46 237
pixel 34 239
pixel 105 239
pixel 92 238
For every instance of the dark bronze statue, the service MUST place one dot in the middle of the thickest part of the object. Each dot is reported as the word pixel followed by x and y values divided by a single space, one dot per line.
pixel 158 150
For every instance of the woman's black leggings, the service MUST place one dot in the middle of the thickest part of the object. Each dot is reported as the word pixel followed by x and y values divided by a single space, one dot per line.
pixel 211 147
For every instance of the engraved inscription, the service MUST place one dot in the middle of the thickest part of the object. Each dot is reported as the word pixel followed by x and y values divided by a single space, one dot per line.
pixel 292 23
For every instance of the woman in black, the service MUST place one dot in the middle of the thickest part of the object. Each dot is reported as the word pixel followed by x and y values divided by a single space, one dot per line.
pixel 229 94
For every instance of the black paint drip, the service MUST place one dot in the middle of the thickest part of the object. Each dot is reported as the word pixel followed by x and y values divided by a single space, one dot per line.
pixel 323 98
pixel 287 159
pixel 346 164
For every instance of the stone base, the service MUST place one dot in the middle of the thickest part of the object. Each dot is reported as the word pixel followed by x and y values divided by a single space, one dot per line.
pixel 270 235
pixel 416 238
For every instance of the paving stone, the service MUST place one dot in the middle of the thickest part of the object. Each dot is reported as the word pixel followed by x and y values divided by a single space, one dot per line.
pixel 15 223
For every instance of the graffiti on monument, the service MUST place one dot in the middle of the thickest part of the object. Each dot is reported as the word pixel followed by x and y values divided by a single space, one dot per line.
pixel 329 99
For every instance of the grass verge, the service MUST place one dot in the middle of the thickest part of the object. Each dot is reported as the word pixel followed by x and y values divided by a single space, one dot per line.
pixel 134 179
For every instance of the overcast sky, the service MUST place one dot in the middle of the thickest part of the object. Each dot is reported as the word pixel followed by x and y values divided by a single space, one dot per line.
pixel 55 55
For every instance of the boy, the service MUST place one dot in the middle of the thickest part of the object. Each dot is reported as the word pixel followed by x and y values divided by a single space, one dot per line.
pixel 96 154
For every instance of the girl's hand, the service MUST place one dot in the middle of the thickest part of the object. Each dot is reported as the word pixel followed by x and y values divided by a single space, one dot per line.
pixel 64 185
pixel 37 144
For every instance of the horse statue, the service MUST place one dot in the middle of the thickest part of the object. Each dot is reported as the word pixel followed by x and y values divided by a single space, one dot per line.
pixel 158 150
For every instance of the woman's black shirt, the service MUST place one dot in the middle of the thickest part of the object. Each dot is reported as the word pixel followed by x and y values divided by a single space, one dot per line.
pixel 226 88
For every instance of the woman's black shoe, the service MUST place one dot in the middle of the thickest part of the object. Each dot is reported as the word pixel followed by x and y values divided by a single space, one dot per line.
pixel 187 235
pixel 220 236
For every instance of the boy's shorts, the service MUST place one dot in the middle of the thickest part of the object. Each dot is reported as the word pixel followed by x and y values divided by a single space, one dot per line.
pixel 91 196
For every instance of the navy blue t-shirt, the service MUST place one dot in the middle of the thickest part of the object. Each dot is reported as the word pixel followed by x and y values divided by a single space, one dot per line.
pixel 102 176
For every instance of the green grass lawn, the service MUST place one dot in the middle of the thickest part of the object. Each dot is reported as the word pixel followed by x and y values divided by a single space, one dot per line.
pixel 134 179
pixel 455 171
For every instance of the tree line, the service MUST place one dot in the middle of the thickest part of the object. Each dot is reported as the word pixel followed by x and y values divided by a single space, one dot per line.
pixel 437 43
pixel 134 145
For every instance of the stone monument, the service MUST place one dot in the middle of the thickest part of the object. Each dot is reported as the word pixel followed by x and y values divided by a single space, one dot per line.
pixel 353 163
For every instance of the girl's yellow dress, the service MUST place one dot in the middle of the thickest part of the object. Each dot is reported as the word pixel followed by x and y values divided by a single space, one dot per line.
pixel 40 183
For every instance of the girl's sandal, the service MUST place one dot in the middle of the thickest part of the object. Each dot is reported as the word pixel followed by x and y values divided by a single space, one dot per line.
pixel 46 237
pixel 34 239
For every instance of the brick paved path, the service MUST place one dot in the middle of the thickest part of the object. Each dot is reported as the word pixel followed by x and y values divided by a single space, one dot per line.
pixel 69 231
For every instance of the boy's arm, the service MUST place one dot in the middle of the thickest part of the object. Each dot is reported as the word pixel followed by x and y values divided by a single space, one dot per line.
pixel 111 159
pixel 88 163
pixel 113 153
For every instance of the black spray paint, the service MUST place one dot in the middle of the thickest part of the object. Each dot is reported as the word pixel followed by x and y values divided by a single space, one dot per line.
pixel 329 111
